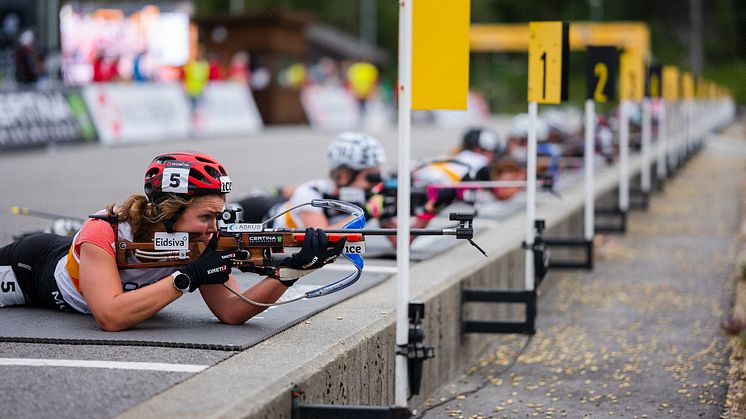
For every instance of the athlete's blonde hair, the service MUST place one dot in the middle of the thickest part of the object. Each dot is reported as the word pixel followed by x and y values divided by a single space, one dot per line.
pixel 143 216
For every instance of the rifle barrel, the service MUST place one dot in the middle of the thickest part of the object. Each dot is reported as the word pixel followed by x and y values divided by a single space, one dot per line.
pixel 379 231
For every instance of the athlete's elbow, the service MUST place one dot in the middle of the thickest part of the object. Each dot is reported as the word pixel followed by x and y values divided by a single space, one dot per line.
pixel 111 323
pixel 232 319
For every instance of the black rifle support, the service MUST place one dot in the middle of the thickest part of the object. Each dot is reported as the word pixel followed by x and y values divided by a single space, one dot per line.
pixel 526 297
pixel 553 242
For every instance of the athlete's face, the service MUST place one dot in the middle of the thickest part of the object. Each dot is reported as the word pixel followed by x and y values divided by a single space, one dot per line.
pixel 200 218
pixel 367 179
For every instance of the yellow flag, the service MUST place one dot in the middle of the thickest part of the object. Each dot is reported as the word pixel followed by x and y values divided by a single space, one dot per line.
pixel 631 76
pixel 687 85
pixel 670 82
pixel 440 54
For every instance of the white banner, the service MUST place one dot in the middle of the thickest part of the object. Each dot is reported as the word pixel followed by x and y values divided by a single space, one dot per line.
pixel 126 113
pixel 330 108
pixel 227 109
pixel 476 113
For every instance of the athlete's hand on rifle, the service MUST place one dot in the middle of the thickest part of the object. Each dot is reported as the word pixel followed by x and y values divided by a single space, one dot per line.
pixel 212 267
pixel 441 198
pixel 374 207
pixel 313 255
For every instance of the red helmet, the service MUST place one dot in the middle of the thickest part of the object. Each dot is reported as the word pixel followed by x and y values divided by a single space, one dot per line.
pixel 185 173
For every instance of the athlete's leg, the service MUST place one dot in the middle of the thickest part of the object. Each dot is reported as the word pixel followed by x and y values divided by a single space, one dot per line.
pixel 32 261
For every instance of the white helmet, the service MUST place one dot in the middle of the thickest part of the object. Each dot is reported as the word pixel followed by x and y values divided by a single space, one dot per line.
pixel 484 138
pixel 519 127
pixel 355 150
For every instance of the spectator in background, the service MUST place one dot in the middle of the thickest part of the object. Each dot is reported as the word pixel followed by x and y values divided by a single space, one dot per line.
pixel 138 67
pixel 105 67
pixel 195 75
pixel 325 71
pixel 362 79
pixel 216 70
pixel 27 65
pixel 239 68
pixel 295 76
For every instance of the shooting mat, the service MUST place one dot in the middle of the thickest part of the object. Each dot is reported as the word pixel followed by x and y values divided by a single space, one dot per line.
pixel 185 323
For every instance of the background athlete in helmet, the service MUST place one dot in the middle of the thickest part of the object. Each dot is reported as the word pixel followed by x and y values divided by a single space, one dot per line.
pixel 549 154
pixel 482 156
pixel 184 192
pixel 355 161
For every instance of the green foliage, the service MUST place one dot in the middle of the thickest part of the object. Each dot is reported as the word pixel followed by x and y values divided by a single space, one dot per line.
pixel 730 75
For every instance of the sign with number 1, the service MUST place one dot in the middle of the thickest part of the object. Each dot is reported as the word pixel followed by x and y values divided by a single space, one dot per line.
pixel 548 61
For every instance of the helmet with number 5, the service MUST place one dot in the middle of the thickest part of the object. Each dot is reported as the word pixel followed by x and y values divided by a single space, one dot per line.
pixel 355 150
pixel 185 173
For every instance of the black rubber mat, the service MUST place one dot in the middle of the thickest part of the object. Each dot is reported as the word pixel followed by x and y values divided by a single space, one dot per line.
pixel 186 323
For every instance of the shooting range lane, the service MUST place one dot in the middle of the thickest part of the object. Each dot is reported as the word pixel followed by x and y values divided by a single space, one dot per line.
pixel 639 336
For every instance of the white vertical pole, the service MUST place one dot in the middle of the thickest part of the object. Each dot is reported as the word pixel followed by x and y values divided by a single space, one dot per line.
pixel 661 168
pixel 624 155
pixel 402 196
pixel 646 134
pixel 588 165
pixel 533 110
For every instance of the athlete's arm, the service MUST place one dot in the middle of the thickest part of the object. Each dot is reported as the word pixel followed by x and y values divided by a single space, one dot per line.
pixel 114 309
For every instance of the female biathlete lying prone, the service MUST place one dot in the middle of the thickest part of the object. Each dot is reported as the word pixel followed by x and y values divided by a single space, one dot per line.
pixel 80 273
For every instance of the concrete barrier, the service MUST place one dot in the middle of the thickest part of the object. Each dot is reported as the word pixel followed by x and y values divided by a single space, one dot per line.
pixel 345 355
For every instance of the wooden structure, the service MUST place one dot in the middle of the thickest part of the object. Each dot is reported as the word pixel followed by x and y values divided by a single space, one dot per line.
pixel 276 40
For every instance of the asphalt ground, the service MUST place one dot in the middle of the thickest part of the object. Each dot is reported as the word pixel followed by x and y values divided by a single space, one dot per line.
pixel 79 180
pixel 639 335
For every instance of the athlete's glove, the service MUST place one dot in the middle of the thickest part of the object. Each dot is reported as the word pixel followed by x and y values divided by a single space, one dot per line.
pixel 211 267
pixel 438 199
pixel 444 198
pixel 313 255
pixel 374 207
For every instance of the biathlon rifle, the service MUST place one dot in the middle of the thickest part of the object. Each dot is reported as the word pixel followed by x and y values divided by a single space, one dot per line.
pixel 261 250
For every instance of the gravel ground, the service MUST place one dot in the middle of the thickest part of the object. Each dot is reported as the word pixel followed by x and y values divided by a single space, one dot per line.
pixel 639 336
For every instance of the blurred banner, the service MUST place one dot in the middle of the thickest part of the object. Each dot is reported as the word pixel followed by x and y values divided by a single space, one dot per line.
pixel 330 108
pixel 227 109
pixel 126 113
pixel 39 118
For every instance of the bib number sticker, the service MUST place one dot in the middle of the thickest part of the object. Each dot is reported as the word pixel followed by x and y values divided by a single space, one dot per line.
pixel 176 177
pixel 354 248
pixel 171 241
